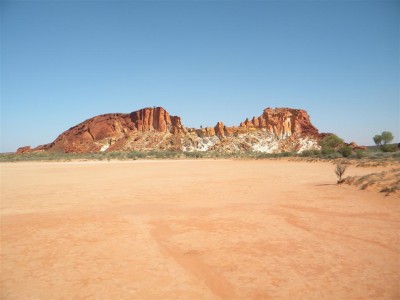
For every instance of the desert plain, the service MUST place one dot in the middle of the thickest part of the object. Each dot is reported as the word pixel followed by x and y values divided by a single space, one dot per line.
pixel 195 229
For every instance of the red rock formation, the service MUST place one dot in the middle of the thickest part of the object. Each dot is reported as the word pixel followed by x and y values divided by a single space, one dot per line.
pixel 283 122
pixel 24 149
pixel 204 132
pixel 354 146
pixel 95 133
pixel 157 119
pixel 154 128
pixel 219 130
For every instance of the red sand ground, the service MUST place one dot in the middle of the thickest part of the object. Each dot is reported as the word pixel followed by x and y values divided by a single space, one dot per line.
pixel 194 230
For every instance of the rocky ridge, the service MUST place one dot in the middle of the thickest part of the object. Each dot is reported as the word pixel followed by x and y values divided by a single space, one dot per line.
pixel 275 130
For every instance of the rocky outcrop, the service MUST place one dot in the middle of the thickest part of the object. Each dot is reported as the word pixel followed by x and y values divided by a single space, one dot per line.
pixel 355 147
pixel 283 122
pixel 158 119
pixel 277 129
pixel 102 132
pixel 219 130
pixel 25 149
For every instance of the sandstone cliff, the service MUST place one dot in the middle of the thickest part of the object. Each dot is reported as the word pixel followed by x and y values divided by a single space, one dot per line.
pixel 283 122
pixel 277 129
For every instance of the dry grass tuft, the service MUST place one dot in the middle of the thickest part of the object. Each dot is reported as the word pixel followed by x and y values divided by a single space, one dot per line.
pixel 340 169
pixel 387 182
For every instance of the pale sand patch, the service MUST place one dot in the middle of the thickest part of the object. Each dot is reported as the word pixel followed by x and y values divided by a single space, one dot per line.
pixel 204 229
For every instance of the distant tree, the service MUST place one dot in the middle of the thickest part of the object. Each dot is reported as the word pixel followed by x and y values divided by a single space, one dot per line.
pixel 340 169
pixel 387 137
pixel 378 139
pixel 382 140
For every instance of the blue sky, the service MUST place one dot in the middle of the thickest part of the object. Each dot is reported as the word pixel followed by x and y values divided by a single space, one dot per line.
pixel 66 61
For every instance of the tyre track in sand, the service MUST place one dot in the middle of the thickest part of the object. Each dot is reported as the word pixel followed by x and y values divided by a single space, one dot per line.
pixel 192 262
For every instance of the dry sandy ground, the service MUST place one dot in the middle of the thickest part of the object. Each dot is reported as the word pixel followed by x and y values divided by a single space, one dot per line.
pixel 194 230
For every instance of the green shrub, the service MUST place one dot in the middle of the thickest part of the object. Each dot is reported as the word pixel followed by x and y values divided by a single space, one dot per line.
pixel 311 152
pixel 170 154
pixel 286 154
pixel 327 150
pixel 307 153
pixel 159 154
pixel 136 154
pixel 388 148
pixel 360 154
pixel 333 155
pixel 396 155
pixel 329 144
pixel 345 151
pixel 317 152
pixel 331 141
pixel 377 155
pixel 195 154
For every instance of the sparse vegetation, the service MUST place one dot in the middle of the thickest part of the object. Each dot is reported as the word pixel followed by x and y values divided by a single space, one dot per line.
pixel 311 153
pixel 382 141
pixel 330 143
pixel 387 182
pixel 345 151
pixel 372 156
pixel 195 154
pixel 389 148
pixel 389 190
pixel 360 154
pixel 340 169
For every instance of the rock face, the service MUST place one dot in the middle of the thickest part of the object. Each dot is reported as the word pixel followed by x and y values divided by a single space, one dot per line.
pixel 276 130
pixel 283 122
pixel 219 130
pixel 158 119
pixel 24 149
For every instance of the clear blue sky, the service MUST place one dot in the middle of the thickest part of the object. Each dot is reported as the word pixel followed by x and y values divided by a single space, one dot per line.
pixel 65 61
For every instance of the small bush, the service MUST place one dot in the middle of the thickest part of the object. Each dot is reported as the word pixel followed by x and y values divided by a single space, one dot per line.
pixel 340 169
pixel 360 154
pixel 170 154
pixel 136 154
pixel 327 150
pixel 159 154
pixel 307 153
pixel 317 152
pixel 195 154
pixel 332 155
pixel 388 148
pixel 389 190
pixel 377 155
pixel 286 154
pixel 331 141
pixel 345 151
